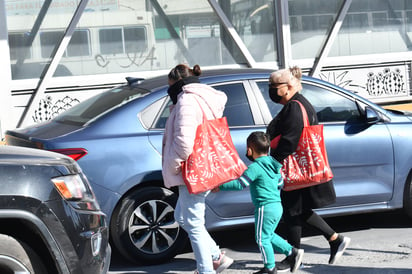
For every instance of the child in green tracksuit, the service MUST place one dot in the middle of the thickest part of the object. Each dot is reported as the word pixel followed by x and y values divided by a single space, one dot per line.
pixel 265 182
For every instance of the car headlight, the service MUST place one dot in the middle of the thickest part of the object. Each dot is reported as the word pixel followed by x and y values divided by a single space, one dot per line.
pixel 76 190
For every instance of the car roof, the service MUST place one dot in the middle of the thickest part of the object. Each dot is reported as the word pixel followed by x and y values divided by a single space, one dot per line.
pixel 161 80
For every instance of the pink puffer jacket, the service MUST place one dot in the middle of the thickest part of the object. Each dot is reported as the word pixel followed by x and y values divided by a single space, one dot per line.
pixel 180 131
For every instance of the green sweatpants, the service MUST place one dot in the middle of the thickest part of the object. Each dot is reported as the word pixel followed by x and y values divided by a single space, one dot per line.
pixel 267 218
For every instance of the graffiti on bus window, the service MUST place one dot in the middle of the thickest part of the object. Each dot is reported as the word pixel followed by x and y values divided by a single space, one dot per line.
pixel 133 59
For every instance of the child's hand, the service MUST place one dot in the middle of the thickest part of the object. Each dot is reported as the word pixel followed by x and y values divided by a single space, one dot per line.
pixel 216 189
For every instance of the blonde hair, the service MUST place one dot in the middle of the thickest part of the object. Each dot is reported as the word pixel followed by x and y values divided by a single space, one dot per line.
pixel 290 76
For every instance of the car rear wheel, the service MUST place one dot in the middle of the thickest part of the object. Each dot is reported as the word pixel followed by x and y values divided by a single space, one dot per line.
pixel 17 257
pixel 407 199
pixel 143 226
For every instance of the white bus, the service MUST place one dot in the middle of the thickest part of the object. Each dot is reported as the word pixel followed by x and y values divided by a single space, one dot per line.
pixel 103 42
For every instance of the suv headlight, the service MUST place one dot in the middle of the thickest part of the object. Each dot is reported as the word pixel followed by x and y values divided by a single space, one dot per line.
pixel 77 191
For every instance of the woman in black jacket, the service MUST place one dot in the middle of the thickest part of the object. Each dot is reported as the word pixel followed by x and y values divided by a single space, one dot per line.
pixel 284 87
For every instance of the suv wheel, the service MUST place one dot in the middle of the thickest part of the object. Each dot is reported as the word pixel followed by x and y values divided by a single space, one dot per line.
pixel 17 257
pixel 143 228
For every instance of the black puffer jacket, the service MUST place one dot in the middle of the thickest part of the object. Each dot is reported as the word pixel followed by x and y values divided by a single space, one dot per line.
pixel 289 124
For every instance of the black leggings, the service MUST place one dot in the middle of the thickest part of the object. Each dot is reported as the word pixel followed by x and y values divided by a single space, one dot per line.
pixel 295 223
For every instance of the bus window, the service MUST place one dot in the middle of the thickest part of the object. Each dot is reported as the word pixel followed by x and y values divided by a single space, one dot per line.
pixel 48 41
pixel 111 41
pixel 16 44
pixel 135 39
pixel 123 40
pixel 79 44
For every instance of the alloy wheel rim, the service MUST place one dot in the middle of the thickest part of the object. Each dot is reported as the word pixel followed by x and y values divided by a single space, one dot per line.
pixel 152 227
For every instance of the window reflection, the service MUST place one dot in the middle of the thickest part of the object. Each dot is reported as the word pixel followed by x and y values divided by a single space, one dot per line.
pixel 372 27
pixel 254 21
pixel 310 23
pixel 330 106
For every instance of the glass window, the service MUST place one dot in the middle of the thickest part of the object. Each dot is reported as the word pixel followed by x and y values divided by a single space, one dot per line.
pixel 29 62
pixel 254 21
pixel 16 45
pixel 97 105
pixel 355 20
pixel 374 27
pixel 135 39
pixel 237 109
pixel 79 44
pixel 111 41
pixel 310 23
pixel 193 34
pixel 379 19
pixel 331 106
pixel 264 89
pixel 161 121
pixel 48 41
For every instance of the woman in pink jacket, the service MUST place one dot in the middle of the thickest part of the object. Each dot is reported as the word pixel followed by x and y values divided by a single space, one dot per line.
pixel 190 100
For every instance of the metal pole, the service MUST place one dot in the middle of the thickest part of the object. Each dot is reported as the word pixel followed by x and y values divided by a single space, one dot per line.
pixel 233 33
pixel 317 67
pixel 5 75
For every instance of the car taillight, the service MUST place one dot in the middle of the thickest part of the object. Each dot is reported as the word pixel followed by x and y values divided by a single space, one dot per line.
pixel 74 153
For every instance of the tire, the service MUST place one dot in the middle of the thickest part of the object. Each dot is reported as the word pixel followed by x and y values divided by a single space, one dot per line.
pixel 407 197
pixel 143 228
pixel 17 257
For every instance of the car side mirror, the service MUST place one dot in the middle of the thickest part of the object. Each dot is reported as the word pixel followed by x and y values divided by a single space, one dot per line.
pixel 372 116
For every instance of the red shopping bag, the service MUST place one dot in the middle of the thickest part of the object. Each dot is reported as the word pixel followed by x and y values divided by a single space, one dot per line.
pixel 214 160
pixel 308 165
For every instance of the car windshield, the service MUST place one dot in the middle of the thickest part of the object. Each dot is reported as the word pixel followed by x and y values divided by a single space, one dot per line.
pixel 99 104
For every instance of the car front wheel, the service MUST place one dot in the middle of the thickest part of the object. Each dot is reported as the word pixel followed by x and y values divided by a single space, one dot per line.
pixel 143 226
pixel 17 257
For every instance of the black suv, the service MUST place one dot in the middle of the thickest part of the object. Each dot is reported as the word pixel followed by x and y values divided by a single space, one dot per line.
pixel 50 221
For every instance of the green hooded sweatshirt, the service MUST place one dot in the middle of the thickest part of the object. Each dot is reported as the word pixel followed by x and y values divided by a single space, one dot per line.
pixel 264 179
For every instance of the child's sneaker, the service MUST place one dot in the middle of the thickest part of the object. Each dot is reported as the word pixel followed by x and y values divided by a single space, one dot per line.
pixel 222 263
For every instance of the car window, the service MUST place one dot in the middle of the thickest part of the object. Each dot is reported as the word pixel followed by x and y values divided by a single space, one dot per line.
pixel 264 89
pixel 99 104
pixel 237 109
pixel 331 106
pixel 148 115
pixel 161 120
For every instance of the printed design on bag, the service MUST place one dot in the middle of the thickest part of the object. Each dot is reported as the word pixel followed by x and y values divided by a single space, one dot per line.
pixel 308 156
pixel 308 165
pixel 209 161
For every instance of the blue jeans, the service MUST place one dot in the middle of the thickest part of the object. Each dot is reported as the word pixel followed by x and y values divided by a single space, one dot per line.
pixel 190 214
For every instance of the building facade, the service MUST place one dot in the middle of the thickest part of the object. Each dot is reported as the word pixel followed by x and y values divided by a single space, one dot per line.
pixel 56 53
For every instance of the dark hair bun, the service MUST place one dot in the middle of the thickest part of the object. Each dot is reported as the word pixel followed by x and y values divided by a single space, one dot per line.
pixel 196 70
